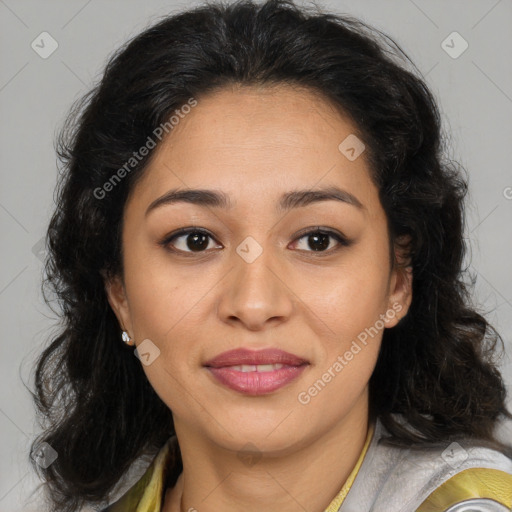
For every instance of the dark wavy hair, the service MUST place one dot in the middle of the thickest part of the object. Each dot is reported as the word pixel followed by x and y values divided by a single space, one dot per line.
pixel 436 375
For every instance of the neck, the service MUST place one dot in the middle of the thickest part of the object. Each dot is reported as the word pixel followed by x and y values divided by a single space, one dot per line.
pixel 307 477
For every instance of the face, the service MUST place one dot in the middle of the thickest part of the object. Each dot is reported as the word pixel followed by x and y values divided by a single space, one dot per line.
pixel 313 278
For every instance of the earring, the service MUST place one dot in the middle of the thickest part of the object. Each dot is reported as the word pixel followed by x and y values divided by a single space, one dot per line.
pixel 126 338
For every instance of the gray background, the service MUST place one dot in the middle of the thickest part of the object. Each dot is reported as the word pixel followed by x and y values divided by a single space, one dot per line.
pixel 475 96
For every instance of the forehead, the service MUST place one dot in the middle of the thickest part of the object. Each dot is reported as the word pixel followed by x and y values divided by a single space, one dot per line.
pixel 270 118
pixel 256 142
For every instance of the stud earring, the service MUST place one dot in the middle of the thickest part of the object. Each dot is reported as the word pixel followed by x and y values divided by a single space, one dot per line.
pixel 126 338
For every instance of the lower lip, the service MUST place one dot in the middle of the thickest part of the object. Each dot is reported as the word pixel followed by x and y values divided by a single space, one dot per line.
pixel 256 383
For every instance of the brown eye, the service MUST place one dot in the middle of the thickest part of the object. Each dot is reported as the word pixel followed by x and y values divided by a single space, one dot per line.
pixel 319 240
pixel 192 240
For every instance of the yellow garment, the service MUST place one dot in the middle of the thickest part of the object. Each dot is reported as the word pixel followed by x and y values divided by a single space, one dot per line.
pixel 338 499
pixel 471 483
pixel 147 495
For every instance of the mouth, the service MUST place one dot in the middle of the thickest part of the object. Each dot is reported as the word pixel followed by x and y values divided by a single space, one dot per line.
pixel 256 372
pixel 246 357
pixel 244 368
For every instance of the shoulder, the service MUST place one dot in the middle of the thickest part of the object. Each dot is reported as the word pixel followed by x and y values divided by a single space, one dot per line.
pixel 434 478
pixel 472 476
pixel 481 489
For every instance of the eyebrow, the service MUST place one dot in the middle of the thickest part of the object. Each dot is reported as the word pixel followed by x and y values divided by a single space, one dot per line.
pixel 288 201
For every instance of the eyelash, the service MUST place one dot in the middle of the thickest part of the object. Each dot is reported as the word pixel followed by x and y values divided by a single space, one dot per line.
pixel 343 241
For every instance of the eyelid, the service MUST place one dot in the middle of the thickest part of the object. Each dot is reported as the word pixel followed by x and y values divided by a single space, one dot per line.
pixel 342 240
pixel 165 242
pixel 325 230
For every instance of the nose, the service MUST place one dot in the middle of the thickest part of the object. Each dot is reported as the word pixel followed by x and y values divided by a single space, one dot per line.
pixel 256 292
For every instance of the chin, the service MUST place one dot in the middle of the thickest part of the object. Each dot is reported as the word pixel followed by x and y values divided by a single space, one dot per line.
pixel 272 432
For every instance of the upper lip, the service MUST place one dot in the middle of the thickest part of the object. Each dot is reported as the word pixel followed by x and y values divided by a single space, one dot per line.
pixel 241 356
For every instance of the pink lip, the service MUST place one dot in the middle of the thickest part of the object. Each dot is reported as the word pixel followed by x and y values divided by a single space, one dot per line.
pixel 254 382
pixel 244 356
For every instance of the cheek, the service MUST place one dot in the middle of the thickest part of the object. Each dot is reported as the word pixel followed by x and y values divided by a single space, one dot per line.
pixel 162 296
pixel 353 295
pixel 169 305
pixel 339 384
pixel 351 307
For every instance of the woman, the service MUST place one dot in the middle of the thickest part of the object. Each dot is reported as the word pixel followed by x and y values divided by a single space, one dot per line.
pixel 255 204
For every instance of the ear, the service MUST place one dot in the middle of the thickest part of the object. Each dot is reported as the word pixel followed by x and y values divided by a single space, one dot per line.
pixel 116 295
pixel 400 285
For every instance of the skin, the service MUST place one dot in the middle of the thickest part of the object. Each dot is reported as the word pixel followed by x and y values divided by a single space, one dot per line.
pixel 254 144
